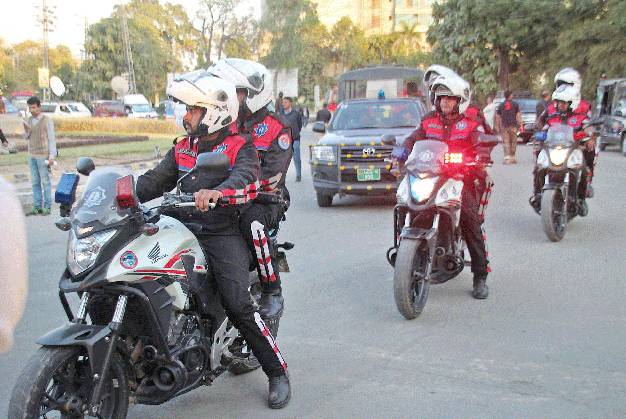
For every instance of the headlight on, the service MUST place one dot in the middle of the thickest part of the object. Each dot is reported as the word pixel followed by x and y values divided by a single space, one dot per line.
pixel 82 253
pixel 402 194
pixel 575 159
pixel 324 153
pixel 542 159
pixel 558 155
pixel 421 189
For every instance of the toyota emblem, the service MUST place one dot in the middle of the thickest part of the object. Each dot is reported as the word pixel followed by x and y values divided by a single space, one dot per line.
pixel 369 151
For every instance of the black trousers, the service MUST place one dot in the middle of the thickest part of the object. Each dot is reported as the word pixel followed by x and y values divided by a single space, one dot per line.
pixel 268 216
pixel 589 158
pixel 228 259
pixel 471 226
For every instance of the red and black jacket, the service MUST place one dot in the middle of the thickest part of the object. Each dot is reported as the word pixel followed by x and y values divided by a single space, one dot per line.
pixel 238 187
pixel 456 130
pixel 272 139
pixel 575 119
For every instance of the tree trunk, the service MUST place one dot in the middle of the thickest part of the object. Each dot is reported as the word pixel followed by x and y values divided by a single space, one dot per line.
pixel 504 69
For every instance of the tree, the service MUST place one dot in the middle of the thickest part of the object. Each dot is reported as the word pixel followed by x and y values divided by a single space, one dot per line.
pixel 348 45
pixel 487 39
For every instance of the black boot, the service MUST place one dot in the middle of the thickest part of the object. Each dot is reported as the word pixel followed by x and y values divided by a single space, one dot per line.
pixel 271 309
pixel 481 291
pixel 280 392
pixel 583 208
pixel 535 202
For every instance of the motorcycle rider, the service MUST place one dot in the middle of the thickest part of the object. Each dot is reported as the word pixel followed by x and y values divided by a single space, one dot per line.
pixel 272 139
pixel 562 111
pixel 571 77
pixel 212 108
pixel 472 110
pixel 449 97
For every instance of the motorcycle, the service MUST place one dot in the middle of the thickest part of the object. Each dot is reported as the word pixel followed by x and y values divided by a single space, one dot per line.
pixel 428 245
pixel 560 162
pixel 149 326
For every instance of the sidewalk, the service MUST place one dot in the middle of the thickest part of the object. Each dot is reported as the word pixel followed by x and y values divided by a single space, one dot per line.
pixel 23 186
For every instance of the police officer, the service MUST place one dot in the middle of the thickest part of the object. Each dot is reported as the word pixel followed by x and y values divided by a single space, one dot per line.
pixel 211 110
pixel 563 111
pixel 448 123
pixel 272 139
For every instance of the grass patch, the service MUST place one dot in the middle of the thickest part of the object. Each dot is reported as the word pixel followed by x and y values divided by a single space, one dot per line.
pixel 134 150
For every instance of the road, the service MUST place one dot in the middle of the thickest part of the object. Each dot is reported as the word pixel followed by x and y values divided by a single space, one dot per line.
pixel 549 342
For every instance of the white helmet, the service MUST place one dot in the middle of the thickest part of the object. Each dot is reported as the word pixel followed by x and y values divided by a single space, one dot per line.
pixel 567 93
pixel 451 86
pixel 249 75
pixel 568 76
pixel 203 90
pixel 435 70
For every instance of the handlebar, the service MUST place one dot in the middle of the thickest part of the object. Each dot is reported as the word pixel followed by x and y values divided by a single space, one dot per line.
pixel 183 200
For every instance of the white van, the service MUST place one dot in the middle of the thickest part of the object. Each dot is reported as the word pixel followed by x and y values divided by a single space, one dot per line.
pixel 137 106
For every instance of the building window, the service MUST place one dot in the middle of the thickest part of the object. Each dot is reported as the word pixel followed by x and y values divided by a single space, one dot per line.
pixel 375 21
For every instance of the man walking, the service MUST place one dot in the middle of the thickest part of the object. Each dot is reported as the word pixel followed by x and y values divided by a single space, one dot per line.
pixel 508 121
pixel 42 150
pixel 294 118
pixel 323 114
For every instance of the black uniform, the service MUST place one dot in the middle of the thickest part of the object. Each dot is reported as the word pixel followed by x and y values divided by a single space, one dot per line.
pixel 225 249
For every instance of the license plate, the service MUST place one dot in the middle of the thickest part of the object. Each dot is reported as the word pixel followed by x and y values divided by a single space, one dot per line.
pixel 364 175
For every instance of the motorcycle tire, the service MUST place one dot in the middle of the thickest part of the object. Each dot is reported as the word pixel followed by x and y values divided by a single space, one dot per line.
pixel 410 293
pixel 553 214
pixel 45 366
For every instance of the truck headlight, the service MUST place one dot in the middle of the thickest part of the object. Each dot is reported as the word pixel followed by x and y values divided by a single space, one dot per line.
pixel 421 189
pixel 324 153
pixel 82 253
pixel 558 155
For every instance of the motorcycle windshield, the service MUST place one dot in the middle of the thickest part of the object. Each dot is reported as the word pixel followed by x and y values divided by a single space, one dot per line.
pixel 427 156
pixel 561 135
pixel 97 209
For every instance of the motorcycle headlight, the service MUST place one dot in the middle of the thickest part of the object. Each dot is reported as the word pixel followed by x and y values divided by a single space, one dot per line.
pixel 575 159
pixel 558 155
pixel 324 153
pixel 542 159
pixel 421 189
pixel 82 253
pixel 402 194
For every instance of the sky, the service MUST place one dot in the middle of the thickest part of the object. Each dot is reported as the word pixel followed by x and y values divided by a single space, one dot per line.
pixel 18 22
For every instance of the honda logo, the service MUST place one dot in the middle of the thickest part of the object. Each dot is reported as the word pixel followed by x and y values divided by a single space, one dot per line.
pixel 369 151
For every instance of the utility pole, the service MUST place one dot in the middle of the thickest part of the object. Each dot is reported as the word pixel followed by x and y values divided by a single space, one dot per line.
pixel 128 54
pixel 47 21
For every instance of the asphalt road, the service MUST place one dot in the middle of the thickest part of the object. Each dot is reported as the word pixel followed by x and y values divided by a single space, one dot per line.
pixel 549 342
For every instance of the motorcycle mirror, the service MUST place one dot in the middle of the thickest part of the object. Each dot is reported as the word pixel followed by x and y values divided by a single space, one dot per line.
pixel 85 166
pixel 389 139
pixel 212 161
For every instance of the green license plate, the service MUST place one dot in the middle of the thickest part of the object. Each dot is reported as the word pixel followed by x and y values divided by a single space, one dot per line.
pixel 364 175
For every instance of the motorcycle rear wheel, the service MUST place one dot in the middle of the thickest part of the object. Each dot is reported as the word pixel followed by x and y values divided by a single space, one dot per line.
pixel 553 214
pixel 410 287
pixel 58 380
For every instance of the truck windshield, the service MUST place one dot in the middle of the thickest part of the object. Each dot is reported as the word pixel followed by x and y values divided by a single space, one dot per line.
pixel 367 115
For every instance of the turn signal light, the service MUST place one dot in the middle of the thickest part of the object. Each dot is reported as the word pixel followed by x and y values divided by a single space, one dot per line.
pixel 453 158
pixel 125 192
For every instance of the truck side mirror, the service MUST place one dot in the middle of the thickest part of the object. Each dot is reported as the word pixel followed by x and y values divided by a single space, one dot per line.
pixel 319 126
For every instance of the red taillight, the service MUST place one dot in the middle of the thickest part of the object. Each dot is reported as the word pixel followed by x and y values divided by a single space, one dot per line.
pixel 453 158
pixel 125 189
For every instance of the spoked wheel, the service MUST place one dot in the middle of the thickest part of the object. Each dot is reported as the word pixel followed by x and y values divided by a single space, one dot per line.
pixel 410 286
pixel 57 383
pixel 553 214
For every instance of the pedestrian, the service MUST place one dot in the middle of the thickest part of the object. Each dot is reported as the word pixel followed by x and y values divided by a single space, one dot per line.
pixel 278 108
pixel 489 111
pixel 323 114
pixel 294 118
pixel 508 122
pixel 305 114
pixel 542 104
pixel 14 273
pixel 42 150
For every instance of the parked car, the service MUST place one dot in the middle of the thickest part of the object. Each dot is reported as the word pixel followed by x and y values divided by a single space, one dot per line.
pixel 351 158
pixel 65 109
pixel 109 108
pixel 528 109
pixel 137 106
pixel 611 108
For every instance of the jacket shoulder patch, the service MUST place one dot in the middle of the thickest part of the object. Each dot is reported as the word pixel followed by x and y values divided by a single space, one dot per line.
pixel 284 141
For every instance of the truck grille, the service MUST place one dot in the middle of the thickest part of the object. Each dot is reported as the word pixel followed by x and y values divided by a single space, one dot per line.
pixel 365 153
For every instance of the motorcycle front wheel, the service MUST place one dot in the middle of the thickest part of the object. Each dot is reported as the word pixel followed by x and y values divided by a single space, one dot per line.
pixel 553 214
pixel 57 383
pixel 410 285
